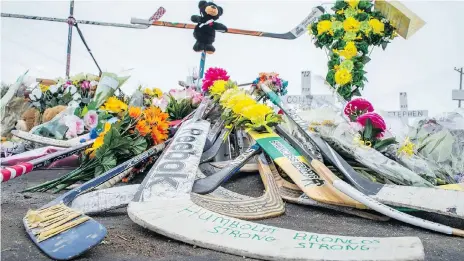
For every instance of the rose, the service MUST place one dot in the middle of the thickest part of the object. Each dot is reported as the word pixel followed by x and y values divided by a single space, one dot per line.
pixel 91 119
pixel 376 120
pixel 179 95
pixel 195 96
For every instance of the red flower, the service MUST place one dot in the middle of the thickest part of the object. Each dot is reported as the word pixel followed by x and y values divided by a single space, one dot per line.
pixel 214 74
pixel 357 107
pixel 377 122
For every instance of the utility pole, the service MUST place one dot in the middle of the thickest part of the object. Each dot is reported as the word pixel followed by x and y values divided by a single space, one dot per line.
pixel 460 71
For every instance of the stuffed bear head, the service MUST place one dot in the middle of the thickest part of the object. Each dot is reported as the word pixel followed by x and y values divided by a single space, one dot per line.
pixel 210 10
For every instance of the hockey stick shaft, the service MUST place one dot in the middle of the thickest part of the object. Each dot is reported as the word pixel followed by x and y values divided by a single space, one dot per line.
pixel 23 168
pixel 293 34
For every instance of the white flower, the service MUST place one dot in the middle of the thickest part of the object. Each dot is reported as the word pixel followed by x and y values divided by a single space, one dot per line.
pixel 53 88
pixel 71 89
pixel 35 95
pixel 77 97
pixel 73 104
pixel 93 83
pixel 36 104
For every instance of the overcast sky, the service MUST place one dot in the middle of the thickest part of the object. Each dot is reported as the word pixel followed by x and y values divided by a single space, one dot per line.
pixel 422 65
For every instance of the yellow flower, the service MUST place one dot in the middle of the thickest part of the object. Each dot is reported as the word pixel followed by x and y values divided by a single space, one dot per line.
pixel 227 94
pixel 351 25
pixel 395 34
pixel 218 87
pixel 135 112
pixel 256 113
pixel 114 105
pixel 352 3
pixel 242 104
pixel 234 99
pixel 96 144
pixel 148 91
pixel 340 11
pixel 157 92
pixel 323 26
pixel 350 50
pixel 343 76
pixel 44 87
pixel 106 128
pixel 377 26
pixel 407 147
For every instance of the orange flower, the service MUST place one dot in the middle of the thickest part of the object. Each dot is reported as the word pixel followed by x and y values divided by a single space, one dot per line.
pixel 158 136
pixel 151 114
pixel 162 125
pixel 143 127
pixel 135 112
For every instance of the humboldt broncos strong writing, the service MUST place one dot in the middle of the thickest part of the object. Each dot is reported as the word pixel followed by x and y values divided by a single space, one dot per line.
pixel 312 178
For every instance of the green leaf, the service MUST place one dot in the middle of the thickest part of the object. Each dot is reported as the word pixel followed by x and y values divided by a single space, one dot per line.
pixel 384 45
pixel 367 133
pixel 365 59
pixel 384 143
pixel 106 163
pixel 139 145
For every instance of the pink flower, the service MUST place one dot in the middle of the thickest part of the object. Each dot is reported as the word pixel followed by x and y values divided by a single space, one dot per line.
pixel 85 85
pixel 91 119
pixel 195 96
pixel 377 122
pixel 75 125
pixel 357 107
pixel 161 103
pixel 214 74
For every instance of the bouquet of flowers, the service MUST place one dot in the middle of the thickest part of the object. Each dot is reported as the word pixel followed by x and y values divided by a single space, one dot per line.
pixel 149 94
pixel 276 84
pixel 213 74
pixel 347 35
pixel 77 91
pixel 179 103
pixel 370 125
pixel 117 142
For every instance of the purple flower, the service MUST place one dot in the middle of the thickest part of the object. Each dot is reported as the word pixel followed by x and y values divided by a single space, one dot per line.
pixel 85 85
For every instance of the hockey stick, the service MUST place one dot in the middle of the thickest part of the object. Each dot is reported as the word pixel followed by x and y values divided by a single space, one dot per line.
pixel 157 15
pixel 291 35
pixel 49 141
pixel 344 187
pixel 62 233
pixel 441 201
pixel 163 205
pixel 17 170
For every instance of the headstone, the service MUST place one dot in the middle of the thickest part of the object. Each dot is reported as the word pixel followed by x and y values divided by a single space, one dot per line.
pixel 306 98
pixel 306 82
pixel 458 95
pixel 404 114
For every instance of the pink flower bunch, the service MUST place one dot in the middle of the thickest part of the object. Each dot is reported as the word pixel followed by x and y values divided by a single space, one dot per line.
pixel 85 85
pixel 214 74
pixel 75 126
pixel 377 122
pixel 188 93
pixel 357 107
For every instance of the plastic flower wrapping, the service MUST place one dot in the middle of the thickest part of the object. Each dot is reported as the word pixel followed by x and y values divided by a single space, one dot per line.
pixel 335 126
pixel 440 140
pixel 347 34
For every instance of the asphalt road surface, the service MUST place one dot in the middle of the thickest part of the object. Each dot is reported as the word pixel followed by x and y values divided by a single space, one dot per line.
pixel 128 241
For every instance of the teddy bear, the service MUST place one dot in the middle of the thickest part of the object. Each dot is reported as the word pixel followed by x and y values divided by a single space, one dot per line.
pixel 29 119
pixel 205 30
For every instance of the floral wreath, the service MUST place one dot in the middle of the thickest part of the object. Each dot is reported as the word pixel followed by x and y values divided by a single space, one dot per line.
pixel 348 34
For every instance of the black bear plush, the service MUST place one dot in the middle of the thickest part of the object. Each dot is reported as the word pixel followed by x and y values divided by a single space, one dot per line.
pixel 205 31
